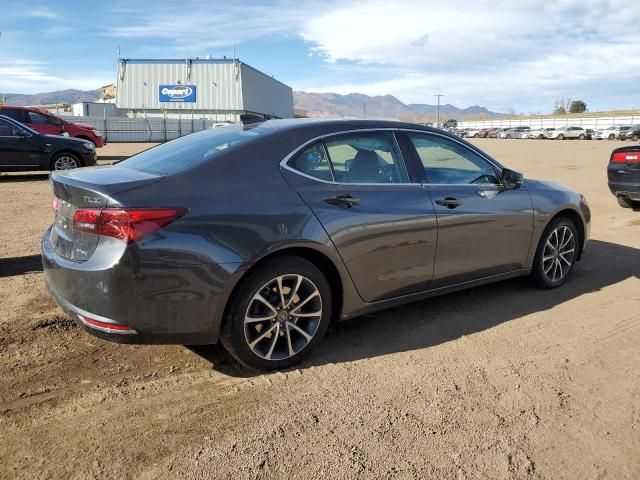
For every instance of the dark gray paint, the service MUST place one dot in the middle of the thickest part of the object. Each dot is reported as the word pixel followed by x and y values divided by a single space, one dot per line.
pixel 392 248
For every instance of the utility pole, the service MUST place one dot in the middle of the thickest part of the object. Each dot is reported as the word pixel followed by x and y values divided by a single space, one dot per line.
pixel 438 95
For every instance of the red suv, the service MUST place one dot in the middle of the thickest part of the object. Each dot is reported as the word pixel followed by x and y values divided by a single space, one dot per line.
pixel 43 122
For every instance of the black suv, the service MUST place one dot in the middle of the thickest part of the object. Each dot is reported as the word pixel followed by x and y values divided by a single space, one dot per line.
pixel 624 176
pixel 22 148
pixel 632 133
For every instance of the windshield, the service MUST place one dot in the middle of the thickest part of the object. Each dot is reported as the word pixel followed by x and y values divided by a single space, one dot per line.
pixel 190 150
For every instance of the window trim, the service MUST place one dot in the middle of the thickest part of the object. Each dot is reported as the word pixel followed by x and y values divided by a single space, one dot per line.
pixel 284 162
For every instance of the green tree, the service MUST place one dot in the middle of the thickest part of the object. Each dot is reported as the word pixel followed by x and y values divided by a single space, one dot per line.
pixel 577 106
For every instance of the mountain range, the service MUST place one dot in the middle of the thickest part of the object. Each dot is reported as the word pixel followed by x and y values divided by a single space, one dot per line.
pixel 324 105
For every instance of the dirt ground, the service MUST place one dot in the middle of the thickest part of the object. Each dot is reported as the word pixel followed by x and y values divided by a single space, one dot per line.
pixel 501 381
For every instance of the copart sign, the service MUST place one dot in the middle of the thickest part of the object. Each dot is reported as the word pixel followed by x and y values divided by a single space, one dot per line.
pixel 178 93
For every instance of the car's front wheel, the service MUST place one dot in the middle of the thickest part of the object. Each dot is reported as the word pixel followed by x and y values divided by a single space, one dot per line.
pixel 581 136
pixel 560 137
pixel 278 314
pixel 612 136
pixel 556 254
pixel 65 161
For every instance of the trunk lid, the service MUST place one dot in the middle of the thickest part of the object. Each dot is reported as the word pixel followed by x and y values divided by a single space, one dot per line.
pixel 87 188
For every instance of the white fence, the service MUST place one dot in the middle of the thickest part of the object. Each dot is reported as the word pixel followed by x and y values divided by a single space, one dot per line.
pixel 542 122
pixel 123 129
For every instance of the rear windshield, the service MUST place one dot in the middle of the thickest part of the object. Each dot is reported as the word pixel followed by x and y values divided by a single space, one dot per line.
pixel 190 150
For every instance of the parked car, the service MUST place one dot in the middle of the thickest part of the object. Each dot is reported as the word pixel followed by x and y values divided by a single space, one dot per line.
pixel 610 133
pixel 22 148
pixel 43 122
pixel 515 132
pixel 493 133
pixel 632 133
pixel 540 133
pixel 623 173
pixel 564 133
pixel 259 236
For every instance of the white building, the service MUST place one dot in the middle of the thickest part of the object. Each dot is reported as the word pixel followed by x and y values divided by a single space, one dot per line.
pixel 220 90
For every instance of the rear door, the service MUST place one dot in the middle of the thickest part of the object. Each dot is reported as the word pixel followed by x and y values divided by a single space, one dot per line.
pixel 483 230
pixel 375 212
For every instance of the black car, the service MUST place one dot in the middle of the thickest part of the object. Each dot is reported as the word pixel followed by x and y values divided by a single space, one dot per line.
pixel 22 148
pixel 258 236
pixel 623 173
pixel 632 133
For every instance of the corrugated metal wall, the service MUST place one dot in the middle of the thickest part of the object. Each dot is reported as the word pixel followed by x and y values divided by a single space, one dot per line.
pixel 221 85
pixel 217 87
pixel 263 94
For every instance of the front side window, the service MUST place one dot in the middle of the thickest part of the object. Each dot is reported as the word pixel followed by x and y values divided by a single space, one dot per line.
pixel 37 119
pixel 449 163
pixel 367 157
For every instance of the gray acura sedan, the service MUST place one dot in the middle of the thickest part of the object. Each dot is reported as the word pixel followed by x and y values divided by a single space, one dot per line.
pixel 258 236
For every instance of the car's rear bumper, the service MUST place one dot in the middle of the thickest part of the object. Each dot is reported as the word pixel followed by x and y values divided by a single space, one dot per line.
pixel 626 190
pixel 158 300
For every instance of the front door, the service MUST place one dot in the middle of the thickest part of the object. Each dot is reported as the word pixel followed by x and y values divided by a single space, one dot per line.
pixel 483 230
pixel 382 224
pixel 18 148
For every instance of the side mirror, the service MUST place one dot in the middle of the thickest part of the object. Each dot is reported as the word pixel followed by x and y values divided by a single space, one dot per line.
pixel 511 179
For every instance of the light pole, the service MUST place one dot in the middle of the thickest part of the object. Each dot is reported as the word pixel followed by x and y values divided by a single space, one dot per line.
pixel 438 95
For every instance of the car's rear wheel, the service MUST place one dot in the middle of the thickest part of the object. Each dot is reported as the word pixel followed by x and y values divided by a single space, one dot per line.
pixel 556 254
pixel 278 314
pixel 581 136
pixel 560 137
pixel 65 161
pixel 634 137
pixel 612 136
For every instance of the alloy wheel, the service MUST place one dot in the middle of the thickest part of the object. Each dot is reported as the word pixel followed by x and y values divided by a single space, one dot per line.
pixel 558 254
pixel 65 162
pixel 283 317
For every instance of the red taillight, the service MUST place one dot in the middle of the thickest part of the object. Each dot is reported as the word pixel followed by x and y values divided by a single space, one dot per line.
pixel 625 157
pixel 126 224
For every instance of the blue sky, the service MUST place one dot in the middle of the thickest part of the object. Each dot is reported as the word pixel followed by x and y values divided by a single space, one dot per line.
pixel 499 54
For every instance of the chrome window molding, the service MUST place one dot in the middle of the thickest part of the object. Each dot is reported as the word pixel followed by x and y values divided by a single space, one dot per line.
pixel 284 162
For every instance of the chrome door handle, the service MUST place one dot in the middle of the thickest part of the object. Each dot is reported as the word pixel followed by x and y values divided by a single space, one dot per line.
pixel 346 201
pixel 449 202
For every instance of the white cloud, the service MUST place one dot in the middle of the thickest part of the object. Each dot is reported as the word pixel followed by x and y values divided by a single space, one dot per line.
pixel 481 52
pixel 26 76
pixel 40 12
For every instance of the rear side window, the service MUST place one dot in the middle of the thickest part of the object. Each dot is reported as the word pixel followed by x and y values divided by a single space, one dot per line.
pixel 7 129
pixel 190 150
pixel 314 162
pixel 18 115
pixel 367 157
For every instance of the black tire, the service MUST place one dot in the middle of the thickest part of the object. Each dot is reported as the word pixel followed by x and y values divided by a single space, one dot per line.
pixel 59 157
pixel 233 334
pixel 509 136
pixel 625 202
pixel 581 136
pixel 561 137
pixel 612 136
pixel 538 275
pixel 635 137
